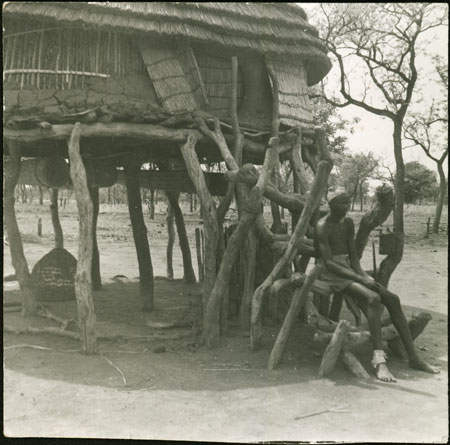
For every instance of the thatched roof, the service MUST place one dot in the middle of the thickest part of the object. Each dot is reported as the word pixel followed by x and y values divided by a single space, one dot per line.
pixel 278 29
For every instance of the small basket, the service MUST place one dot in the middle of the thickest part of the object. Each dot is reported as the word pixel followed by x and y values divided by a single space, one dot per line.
pixel 388 243
pixel 53 276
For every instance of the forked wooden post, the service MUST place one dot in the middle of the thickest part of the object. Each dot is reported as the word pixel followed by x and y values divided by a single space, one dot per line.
pixel 19 262
pixel 208 211
pixel 132 168
pixel 83 283
pixel 171 240
pixel 96 276
pixel 188 275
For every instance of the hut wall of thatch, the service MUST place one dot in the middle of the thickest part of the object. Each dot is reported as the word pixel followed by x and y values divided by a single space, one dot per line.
pixel 65 70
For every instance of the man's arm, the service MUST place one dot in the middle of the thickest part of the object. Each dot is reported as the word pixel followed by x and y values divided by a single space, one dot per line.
pixel 325 252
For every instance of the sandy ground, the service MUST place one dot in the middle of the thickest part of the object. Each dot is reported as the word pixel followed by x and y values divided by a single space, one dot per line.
pixel 224 395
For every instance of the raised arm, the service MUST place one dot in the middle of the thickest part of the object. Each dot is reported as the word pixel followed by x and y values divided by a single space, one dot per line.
pixel 352 255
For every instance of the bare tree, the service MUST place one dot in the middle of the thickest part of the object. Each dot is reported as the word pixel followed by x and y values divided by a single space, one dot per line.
pixel 375 47
pixel 383 39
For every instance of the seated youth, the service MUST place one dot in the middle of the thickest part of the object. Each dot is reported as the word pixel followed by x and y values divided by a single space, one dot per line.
pixel 335 243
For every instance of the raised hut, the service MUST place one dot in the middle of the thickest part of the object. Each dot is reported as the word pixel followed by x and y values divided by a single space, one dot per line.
pixel 101 85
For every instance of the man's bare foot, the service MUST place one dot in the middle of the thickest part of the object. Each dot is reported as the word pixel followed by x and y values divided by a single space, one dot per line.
pixel 384 374
pixel 417 363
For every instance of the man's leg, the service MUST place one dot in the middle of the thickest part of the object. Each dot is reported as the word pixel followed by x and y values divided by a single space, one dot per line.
pixel 372 303
pixel 392 303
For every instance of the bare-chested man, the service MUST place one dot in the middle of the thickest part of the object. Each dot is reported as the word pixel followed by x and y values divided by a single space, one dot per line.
pixel 335 242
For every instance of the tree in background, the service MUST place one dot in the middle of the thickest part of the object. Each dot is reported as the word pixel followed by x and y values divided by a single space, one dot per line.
pixel 354 172
pixel 420 182
pixel 429 131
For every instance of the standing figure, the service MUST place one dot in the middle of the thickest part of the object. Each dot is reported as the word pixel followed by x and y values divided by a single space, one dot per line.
pixel 335 243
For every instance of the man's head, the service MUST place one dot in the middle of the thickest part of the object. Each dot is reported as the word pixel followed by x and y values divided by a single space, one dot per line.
pixel 339 202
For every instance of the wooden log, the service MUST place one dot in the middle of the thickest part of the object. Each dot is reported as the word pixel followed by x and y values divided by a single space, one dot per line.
pixel 42 330
pixel 96 275
pixel 298 300
pixel 208 211
pixel 199 255
pixel 19 262
pixel 146 285
pixel 353 365
pixel 147 132
pixel 333 349
pixel 83 284
pixel 57 229
pixel 313 201
pixel 189 276
pixel 171 239
pixel 416 326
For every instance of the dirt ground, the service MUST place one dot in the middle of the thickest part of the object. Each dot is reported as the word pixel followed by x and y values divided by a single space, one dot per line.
pixel 223 395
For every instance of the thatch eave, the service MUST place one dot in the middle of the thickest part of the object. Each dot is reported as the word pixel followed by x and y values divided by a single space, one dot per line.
pixel 318 63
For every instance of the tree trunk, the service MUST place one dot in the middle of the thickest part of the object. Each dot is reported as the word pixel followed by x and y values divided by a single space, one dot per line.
pixel 57 229
pixel 191 203
pixel 355 193
pixel 361 196
pixel 41 196
pixel 441 198
pixel 399 179
pixel 170 240
pixel 96 276
pixel 19 262
pixel 152 203
pixel 83 285
pixel 132 169
pixel 189 275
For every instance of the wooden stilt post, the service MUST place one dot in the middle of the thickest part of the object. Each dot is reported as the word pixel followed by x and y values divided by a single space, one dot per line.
pixel 170 240
pixel 189 276
pixel 208 211
pixel 19 262
pixel 57 229
pixel 132 169
pixel 96 276
pixel 83 284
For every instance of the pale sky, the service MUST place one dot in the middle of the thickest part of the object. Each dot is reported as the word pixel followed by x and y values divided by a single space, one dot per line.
pixel 374 133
